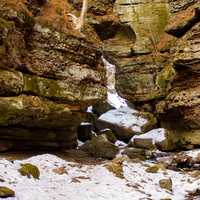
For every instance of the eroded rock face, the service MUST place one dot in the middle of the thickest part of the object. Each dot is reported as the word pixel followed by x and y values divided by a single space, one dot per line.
pixel 141 73
pixel 49 73
pixel 161 66
pixel 179 111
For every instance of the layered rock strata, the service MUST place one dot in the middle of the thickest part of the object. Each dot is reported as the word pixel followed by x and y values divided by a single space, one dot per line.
pixel 160 68
pixel 49 74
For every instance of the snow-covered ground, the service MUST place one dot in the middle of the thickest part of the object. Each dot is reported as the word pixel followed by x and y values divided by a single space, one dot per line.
pixel 80 181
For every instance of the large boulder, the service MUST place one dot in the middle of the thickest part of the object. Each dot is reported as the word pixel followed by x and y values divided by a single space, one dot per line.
pixel 49 73
pixel 126 122
pixel 154 139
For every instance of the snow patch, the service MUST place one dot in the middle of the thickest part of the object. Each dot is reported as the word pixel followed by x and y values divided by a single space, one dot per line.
pixel 89 182
pixel 112 97
pixel 124 117
pixel 156 135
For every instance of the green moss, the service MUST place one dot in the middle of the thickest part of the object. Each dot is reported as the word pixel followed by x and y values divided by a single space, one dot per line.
pixel 29 170
pixel 164 78
pixel 148 20
pixel 6 192
pixel 155 168
pixel 43 87
pixel 5 24
pixel 116 167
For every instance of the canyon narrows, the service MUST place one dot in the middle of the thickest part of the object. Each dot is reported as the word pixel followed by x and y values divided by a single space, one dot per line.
pixel 99 99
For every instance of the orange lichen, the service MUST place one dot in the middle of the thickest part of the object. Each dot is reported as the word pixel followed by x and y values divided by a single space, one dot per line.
pixel 181 17
pixel 54 14
pixel 166 42
pixel 17 5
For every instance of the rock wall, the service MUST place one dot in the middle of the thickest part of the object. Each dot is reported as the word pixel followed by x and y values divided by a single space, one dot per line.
pixel 49 73
pixel 142 74
pixel 159 70
pixel 179 110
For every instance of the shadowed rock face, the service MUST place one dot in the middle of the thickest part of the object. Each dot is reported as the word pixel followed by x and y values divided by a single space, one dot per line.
pixel 49 73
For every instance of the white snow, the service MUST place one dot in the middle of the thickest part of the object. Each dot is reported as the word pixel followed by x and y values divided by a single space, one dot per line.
pixel 193 153
pixel 91 182
pixel 89 109
pixel 85 123
pixel 156 135
pixel 115 100
pixel 112 97
pixel 149 182
pixel 124 117
pixel 120 144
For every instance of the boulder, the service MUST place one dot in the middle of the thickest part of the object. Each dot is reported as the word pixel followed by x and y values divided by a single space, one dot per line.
pixel 155 168
pixel 100 146
pixel 126 122
pixel 109 134
pixel 101 107
pixel 29 170
pixel 154 139
pixel 166 184
pixel 134 153
pixel 6 192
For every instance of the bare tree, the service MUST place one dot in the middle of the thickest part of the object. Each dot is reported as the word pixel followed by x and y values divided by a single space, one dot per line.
pixel 79 22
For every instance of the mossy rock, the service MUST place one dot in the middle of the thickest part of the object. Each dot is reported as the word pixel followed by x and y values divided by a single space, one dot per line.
pixel 116 167
pixel 29 170
pixel 166 184
pixel 155 168
pixel 100 147
pixel 109 134
pixel 164 79
pixel 6 192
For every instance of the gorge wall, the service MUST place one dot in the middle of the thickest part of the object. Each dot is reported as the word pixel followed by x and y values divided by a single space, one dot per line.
pixel 49 73
pixel 158 71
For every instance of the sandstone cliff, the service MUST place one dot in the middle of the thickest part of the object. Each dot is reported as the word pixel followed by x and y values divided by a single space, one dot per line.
pixel 49 73
pixel 159 71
